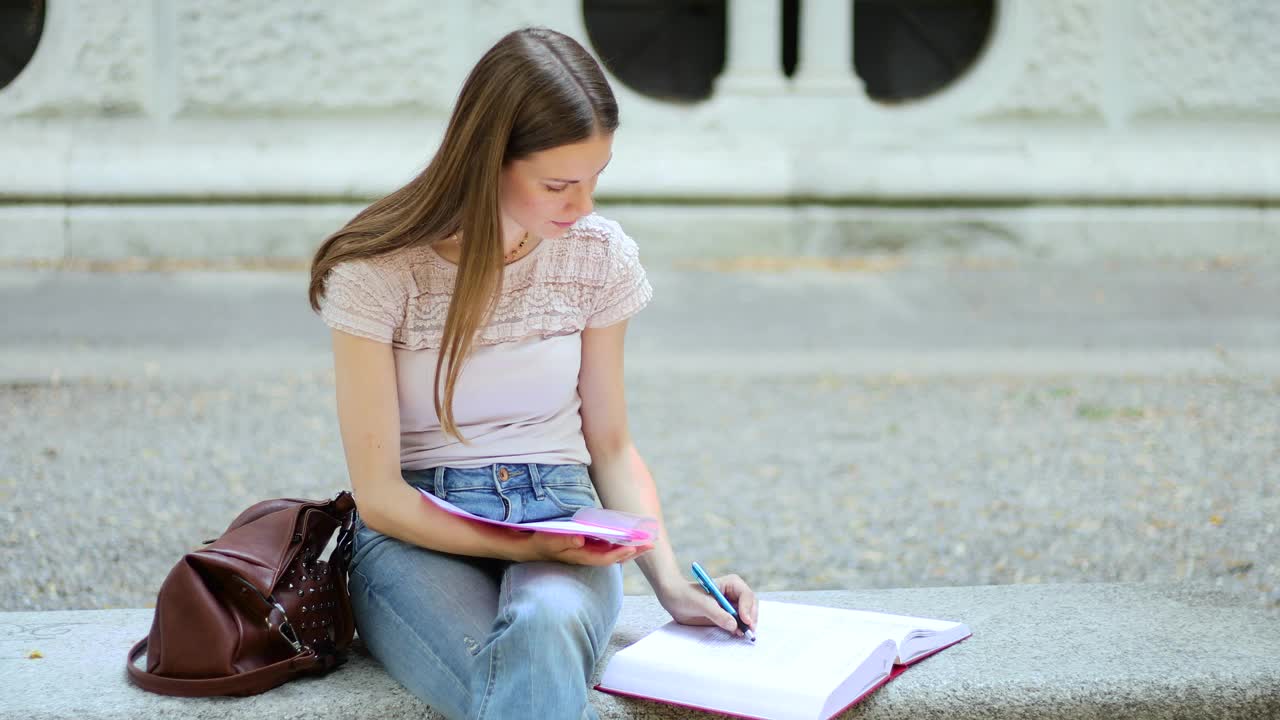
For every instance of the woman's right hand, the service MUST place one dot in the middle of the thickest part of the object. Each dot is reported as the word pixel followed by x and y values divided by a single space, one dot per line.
pixel 572 549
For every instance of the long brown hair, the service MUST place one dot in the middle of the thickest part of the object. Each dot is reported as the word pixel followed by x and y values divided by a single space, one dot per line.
pixel 534 90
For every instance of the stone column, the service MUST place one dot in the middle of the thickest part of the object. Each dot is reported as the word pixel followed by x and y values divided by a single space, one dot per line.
pixel 753 63
pixel 825 49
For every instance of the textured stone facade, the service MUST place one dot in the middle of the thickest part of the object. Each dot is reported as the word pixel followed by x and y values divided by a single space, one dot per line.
pixel 92 60
pixel 1059 71
pixel 323 101
pixel 296 56
pixel 1207 58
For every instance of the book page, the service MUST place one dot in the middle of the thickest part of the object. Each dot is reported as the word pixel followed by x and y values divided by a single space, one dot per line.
pixel 572 527
pixel 915 636
pixel 802 654
pixel 555 526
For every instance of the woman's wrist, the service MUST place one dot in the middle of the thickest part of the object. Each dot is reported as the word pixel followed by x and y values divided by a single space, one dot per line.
pixel 661 572
pixel 480 540
pixel 514 546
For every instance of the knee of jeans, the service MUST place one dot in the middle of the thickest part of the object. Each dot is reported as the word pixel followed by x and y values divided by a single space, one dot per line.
pixel 569 620
pixel 548 621
pixel 552 610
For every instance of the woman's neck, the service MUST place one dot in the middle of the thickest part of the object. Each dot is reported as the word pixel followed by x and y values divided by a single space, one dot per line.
pixel 512 234
pixel 451 248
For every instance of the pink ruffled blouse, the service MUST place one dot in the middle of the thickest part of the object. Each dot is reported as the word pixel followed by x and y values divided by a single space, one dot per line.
pixel 517 399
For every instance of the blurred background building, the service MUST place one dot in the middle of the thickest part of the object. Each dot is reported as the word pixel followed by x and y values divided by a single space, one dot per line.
pixel 1055 128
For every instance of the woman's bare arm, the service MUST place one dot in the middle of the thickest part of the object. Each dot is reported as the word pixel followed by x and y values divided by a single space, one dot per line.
pixel 623 481
pixel 369 419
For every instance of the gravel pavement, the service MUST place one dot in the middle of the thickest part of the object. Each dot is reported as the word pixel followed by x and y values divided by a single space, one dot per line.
pixel 1075 438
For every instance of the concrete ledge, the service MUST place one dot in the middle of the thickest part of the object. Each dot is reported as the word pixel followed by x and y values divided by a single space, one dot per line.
pixel 1038 651
pixel 758 147
pixel 678 233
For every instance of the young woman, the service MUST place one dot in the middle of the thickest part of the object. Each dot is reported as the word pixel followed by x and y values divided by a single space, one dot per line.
pixel 478 316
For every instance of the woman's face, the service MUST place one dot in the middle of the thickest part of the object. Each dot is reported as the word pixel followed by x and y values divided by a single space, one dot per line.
pixel 548 191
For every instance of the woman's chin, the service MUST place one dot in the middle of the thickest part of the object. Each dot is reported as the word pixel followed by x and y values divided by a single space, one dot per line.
pixel 559 228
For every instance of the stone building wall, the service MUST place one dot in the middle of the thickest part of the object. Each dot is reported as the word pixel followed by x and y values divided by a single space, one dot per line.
pixel 182 127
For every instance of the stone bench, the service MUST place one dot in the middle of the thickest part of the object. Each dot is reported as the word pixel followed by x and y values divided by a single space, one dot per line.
pixel 1038 651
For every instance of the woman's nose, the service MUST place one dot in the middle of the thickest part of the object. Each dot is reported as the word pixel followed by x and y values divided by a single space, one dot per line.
pixel 582 202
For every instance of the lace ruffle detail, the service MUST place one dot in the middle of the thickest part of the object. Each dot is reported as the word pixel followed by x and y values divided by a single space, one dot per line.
pixel 589 277
pixel 626 290
pixel 362 298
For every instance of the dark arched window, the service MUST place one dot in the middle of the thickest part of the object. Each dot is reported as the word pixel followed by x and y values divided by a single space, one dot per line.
pixel 21 23
pixel 666 49
pixel 790 36
pixel 907 49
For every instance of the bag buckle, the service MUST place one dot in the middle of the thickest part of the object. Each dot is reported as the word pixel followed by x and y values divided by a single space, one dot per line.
pixel 283 627
pixel 286 630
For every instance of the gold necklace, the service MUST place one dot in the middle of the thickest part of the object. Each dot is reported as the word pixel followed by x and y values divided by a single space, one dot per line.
pixel 509 257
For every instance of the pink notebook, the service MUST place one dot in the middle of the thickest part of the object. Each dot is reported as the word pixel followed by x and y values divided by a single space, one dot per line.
pixel 613 526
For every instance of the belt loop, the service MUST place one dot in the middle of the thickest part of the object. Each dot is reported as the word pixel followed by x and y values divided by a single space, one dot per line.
pixel 535 481
pixel 441 492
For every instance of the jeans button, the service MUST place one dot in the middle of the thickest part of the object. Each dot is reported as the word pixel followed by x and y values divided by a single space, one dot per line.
pixel 503 474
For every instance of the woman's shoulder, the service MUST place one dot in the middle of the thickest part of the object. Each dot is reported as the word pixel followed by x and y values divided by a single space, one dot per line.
pixel 367 296
pixel 589 251
pixel 392 274
pixel 599 231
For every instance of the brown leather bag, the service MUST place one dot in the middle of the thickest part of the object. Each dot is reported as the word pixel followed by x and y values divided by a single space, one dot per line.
pixel 255 608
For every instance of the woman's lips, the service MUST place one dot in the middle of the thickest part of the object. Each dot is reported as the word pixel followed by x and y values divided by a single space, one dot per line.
pixel 562 224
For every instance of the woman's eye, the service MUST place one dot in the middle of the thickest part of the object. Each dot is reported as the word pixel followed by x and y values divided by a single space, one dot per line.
pixel 556 189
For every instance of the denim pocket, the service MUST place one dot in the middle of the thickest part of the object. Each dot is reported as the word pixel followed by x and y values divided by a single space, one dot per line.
pixel 483 502
pixel 571 499
pixel 570 489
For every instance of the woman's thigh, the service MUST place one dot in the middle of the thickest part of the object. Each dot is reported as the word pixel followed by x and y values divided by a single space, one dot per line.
pixel 423 614
pixel 559 596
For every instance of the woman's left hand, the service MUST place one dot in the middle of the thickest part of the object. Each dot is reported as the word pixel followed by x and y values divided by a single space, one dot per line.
pixel 689 604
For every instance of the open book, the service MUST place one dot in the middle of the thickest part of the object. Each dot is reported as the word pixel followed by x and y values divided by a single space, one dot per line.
pixel 808 662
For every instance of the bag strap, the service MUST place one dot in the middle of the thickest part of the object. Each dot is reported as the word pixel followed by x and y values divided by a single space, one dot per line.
pixel 343 507
pixel 248 683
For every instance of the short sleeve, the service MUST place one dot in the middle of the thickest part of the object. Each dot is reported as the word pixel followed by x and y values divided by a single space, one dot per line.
pixel 361 298
pixel 626 288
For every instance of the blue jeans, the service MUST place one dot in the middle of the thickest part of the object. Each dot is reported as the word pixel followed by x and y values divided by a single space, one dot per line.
pixel 484 638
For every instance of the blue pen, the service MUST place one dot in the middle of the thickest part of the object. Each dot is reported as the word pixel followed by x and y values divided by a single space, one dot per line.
pixel 711 588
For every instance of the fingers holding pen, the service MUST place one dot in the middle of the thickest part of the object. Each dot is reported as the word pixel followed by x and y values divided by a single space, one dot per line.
pixel 737 592
pixel 734 596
